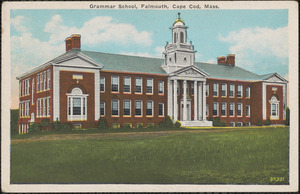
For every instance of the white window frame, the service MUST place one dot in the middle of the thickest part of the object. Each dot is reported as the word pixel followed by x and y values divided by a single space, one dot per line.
pixel 48 106
pixel 77 93
pixel 163 109
pixel 274 101
pixel 137 85
pixel 237 94
pixel 32 92
pixel 247 94
pixel 248 111
pixel 232 86
pixel 41 81
pixel 102 79
pixel 207 110
pixel 217 106
pixel 150 79
pixel 37 107
pixel 124 108
pixel 152 108
pixel 141 108
pixel 129 78
pixel 118 101
pixel 215 84
pixel 161 92
pixel 225 90
pixel 102 102
pixel 38 82
pixel 45 80
pixel 112 77
pixel 224 109
pixel 237 109
pixel 41 107
pixel 233 109
pixel 49 79
pixel 45 106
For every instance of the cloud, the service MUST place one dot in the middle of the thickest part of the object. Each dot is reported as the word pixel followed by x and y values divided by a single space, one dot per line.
pixel 97 30
pixel 259 48
pixel 17 23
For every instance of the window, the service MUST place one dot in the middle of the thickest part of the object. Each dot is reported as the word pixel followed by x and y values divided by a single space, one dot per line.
pixel 215 109
pixel 48 76
pixel 247 92
pixel 240 91
pixel 48 109
pixel 127 84
pixel 45 106
pixel 138 85
pixel 224 90
pixel 102 84
pixel 239 109
pixel 45 80
pixel 207 89
pixel 115 108
pixel 231 90
pixel 37 107
pixel 192 88
pixel 149 89
pixel 77 103
pixel 41 107
pixel 149 110
pixel 223 109
pixel 207 110
pixel 127 108
pixel 32 92
pixel 175 37
pixel 231 109
pixel 38 82
pixel 138 108
pixel 160 87
pixel 247 110
pixel 181 37
pixel 160 109
pixel 102 108
pixel 274 103
pixel 41 81
pixel 115 84
pixel 215 89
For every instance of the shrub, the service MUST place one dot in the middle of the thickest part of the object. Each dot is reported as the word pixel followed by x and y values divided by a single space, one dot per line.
pixel 127 125
pixel 268 122
pixel 259 122
pixel 56 125
pixel 287 116
pixel 218 123
pixel 66 126
pixel 45 124
pixel 177 124
pixel 168 123
pixel 150 125
pixel 34 128
pixel 102 123
pixel 139 125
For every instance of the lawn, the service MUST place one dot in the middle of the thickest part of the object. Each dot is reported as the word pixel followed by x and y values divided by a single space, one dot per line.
pixel 240 156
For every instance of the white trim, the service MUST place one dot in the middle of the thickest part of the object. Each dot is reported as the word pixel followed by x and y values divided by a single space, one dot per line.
pixel 233 95
pixel 141 85
pixel 217 103
pixel 102 78
pixel 151 107
pixel 56 93
pixel 217 84
pixel 249 110
pixel 225 109
pixel 225 90
pixel 163 87
pixel 237 106
pixel 233 107
pixel 97 94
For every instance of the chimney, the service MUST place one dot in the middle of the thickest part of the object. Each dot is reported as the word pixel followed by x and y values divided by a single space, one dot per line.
pixel 221 60
pixel 73 42
pixel 231 60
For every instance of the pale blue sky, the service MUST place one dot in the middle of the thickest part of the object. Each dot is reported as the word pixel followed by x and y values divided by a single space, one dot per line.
pixel 258 38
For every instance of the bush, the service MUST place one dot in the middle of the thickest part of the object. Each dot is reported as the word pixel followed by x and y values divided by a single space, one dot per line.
pixel 259 122
pixel 287 116
pixel 45 124
pixel 127 125
pixel 139 125
pixel 177 124
pixel 168 123
pixel 218 123
pixel 268 122
pixel 150 125
pixel 102 123
pixel 56 125
pixel 34 128
pixel 66 126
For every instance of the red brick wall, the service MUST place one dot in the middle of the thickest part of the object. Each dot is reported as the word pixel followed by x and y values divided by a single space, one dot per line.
pixel 256 102
pixel 107 96
pixel 87 85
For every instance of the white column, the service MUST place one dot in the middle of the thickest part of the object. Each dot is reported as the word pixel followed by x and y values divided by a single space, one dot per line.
pixel 170 99
pixel 204 100
pixel 195 100
pixel 81 110
pixel 200 105
pixel 175 109
pixel 184 113
pixel 71 106
pixel 264 104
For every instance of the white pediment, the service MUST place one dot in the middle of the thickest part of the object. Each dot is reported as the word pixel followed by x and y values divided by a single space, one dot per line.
pixel 275 78
pixel 190 71
pixel 78 62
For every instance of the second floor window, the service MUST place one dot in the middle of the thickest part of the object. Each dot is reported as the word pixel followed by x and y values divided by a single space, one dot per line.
pixel 138 85
pixel 160 87
pixel 240 91
pixel 215 109
pixel 115 84
pixel 247 92
pixel 215 89
pixel 224 90
pixel 127 84
pixel 102 84
pixel 207 89
pixel 231 90
pixel 149 89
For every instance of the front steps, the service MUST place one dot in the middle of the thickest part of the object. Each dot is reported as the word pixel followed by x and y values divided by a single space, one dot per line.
pixel 196 123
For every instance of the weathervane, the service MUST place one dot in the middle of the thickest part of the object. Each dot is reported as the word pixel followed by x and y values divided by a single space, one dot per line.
pixel 178 15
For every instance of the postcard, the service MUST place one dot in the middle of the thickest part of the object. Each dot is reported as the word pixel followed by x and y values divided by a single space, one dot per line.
pixel 149 96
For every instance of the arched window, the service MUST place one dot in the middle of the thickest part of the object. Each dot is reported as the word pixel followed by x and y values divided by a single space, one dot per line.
pixel 274 108
pixel 181 37
pixel 175 37
pixel 77 103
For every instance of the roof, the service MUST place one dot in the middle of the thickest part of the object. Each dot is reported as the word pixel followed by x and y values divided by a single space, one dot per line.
pixel 126 63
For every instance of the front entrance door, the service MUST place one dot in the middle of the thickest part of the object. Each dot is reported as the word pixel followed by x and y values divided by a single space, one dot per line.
pixel 188 107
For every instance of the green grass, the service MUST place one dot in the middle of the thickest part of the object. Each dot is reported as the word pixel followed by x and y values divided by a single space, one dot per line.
pixel 249 156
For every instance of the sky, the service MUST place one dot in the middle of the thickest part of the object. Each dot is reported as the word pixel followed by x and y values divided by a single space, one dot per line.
pixel 258 38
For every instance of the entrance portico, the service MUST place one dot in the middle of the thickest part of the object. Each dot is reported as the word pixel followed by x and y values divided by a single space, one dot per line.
pixel 189 116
